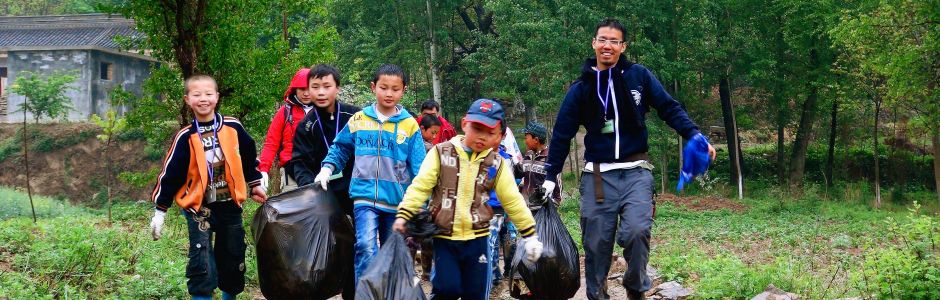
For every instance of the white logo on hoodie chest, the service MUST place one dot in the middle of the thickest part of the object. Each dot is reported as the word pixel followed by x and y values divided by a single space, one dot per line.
pixel 636 96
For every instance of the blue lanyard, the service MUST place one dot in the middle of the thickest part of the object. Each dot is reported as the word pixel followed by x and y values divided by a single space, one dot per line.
pixel 604 100
pixel 215 131
pixel 320 123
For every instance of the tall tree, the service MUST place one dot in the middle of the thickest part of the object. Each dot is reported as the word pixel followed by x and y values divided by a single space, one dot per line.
pixel 45 97
pixel 900 42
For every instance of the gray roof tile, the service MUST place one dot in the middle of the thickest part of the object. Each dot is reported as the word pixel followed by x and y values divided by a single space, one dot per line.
pixel 64 31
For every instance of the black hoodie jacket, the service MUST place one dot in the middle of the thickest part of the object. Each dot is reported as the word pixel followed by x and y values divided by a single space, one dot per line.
pixel 310 146
pixel 636 89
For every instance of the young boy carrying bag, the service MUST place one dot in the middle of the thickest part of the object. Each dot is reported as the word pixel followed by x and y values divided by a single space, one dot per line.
pixel 458 175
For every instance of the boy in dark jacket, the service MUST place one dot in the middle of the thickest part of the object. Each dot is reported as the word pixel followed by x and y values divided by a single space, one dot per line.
pixel 209 171
pixel 314 137
pixel 532 168
pixel 316 132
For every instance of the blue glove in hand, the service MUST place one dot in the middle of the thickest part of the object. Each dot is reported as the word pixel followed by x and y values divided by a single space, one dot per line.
pixel 695 160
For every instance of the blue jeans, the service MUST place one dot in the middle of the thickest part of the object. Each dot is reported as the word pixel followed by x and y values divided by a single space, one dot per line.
pixel 221 265
pixel 373 226
pixel 502 234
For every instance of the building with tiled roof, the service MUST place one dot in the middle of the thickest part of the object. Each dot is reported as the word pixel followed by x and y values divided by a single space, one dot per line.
pixel 88 46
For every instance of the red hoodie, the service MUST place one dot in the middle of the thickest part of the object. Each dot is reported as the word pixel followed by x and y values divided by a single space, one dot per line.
pixel 280 137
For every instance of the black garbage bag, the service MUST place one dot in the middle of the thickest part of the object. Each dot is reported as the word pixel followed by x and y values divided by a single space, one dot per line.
pixel 304 244
pixel 391 274
pixel 422 226
pixel 557 274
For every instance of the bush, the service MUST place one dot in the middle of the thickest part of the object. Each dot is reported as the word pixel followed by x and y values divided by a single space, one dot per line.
pixel 909 267
pixel 9 147
pixel 45 143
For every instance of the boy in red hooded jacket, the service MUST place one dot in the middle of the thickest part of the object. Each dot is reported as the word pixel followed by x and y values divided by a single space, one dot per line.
pixel 279 140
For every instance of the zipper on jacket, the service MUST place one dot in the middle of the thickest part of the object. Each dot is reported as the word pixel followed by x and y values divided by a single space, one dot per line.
pixel 616 119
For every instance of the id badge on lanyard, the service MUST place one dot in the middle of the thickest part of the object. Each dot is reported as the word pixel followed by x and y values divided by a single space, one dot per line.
pixel 608 124
pixel 608 127
pixel 210 194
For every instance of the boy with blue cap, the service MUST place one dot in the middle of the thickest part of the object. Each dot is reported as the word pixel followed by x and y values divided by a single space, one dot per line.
pixel 458 176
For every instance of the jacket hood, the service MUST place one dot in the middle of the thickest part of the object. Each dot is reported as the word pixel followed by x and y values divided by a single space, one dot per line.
pixel 401 115
pixel 588 72
pixel 299 82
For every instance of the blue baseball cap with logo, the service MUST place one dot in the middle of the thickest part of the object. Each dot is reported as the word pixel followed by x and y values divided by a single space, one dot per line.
pixel 485 111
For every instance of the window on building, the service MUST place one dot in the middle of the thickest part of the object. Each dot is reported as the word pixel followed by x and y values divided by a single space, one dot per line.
pixel 3 71
pixel 107 71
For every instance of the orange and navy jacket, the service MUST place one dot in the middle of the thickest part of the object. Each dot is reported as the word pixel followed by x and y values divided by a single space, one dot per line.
pixel 184 177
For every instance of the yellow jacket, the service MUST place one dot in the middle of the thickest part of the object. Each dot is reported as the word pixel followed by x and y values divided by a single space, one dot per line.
pixel 506 191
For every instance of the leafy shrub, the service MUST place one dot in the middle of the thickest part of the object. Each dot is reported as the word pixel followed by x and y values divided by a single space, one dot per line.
pixel 909 267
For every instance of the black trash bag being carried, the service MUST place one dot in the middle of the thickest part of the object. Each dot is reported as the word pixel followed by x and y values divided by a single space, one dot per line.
pixel 557 274
pixel 304 244
pixel 391 274
pixel 422 226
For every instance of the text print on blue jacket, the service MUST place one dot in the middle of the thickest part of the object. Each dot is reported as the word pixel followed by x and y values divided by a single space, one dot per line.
pixel 387 156
pixel 630 90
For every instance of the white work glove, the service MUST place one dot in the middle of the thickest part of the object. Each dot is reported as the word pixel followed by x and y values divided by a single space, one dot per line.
pixel 549 187
pixel 533 248
pixel 323 178
pixel 264 181
pixel 156 224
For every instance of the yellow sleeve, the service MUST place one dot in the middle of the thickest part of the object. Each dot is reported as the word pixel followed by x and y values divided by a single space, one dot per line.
pixel 420 188
pixel 508 194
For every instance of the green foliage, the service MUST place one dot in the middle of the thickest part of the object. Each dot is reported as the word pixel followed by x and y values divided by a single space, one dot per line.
pixel 908 268
pixel 47 143
pixel 48 7
pixel 139 179
pixel 241 43
pixel 45 95
pixel 16 204
pixel 9 147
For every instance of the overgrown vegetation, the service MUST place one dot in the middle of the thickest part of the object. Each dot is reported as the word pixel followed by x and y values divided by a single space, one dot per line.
pixel 819 249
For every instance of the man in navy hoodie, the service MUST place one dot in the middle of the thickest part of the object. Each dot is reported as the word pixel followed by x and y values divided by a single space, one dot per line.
pixel 611 100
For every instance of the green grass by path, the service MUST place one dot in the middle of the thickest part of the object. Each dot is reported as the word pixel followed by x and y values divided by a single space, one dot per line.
pixel 818 249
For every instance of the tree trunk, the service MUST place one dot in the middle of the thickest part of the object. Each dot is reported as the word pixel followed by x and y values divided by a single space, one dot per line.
pixel 830 157
pixel 875 141
pixel 936 161
pixel 781 144
pixel 29 190
pixel 432 40
pixel 731 132
pixel 107 173
pixel 804 132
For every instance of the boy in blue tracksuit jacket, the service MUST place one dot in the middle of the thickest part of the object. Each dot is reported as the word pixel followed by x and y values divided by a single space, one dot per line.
pixel 388 149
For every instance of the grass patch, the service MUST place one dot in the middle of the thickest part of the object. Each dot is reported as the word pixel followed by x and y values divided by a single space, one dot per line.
pixel 76 254
pixel 16 204
pixel 819 249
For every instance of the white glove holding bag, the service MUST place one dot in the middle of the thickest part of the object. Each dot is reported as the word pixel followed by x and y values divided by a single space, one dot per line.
pixel 549 187
pixel 264 181
pixel 533 248
pixel 323 178
pixel 156 224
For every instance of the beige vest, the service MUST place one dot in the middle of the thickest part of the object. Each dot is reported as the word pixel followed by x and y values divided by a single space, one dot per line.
pixel 444 195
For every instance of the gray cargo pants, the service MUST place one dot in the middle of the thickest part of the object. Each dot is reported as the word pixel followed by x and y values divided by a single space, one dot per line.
pixel 628 196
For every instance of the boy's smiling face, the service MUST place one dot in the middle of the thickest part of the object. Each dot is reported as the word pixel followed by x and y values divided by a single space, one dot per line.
pixel 202 98
pixel 479 137
pixel 388 91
